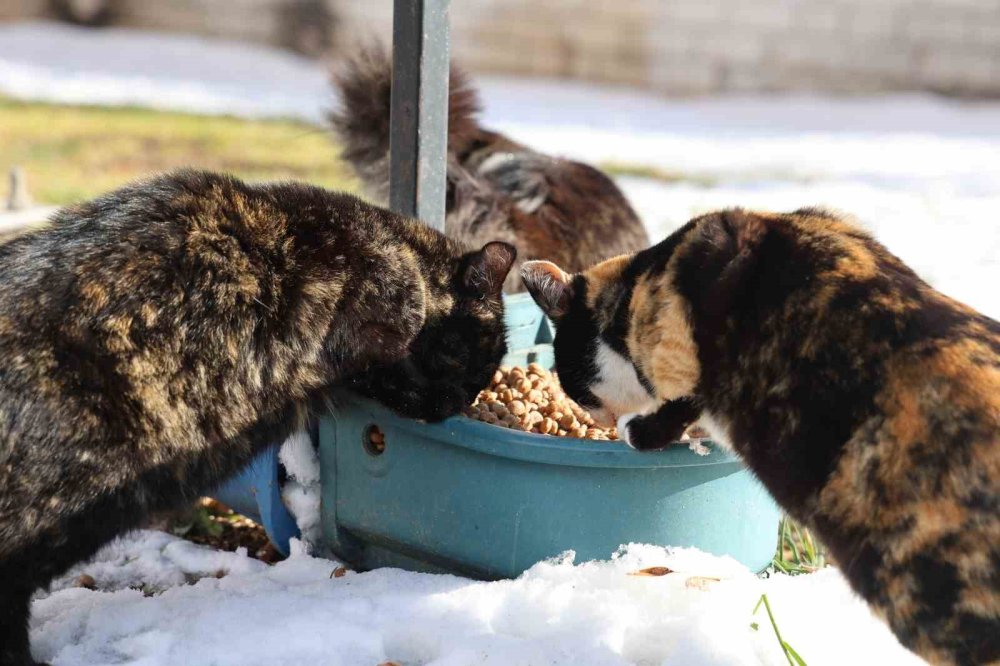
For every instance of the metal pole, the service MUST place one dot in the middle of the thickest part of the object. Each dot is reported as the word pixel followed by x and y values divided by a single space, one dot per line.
pixel 418 135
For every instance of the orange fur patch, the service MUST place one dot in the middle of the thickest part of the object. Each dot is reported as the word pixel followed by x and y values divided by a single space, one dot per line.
pixel 603 275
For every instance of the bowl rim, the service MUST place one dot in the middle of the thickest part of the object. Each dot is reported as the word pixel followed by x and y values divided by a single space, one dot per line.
pixel 487 439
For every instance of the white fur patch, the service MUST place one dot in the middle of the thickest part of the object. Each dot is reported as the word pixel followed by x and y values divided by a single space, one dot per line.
pixel 622 427
pixel 699 448
pixel 618 386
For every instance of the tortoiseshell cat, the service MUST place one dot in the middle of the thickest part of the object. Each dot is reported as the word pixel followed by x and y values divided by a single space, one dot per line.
pixel 154 340
pixel 546 206
pixel 867 402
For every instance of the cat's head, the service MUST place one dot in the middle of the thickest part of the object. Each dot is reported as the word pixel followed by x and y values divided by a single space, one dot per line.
pixel 590 311
pixel 625 328
pixel 464 342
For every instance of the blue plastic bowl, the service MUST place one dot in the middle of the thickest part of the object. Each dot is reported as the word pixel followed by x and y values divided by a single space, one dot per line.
pixel 470 498
pixel 256 493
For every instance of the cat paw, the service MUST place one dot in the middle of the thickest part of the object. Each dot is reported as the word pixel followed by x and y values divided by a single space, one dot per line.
pixel 695 444
pixel 623 429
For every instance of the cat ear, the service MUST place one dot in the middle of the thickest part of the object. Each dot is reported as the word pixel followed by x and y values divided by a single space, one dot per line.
pixel 487 269
pixel 549 285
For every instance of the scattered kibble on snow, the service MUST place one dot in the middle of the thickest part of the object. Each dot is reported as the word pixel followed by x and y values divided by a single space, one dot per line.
pixel 86 581
pixel 652 571
pixel 700 582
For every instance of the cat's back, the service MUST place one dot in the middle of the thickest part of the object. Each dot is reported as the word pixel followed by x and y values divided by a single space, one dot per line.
pixel 173 271
pixel 114 240
pixel 886 346
pixel 920 478
pixel 187 217
pixel 919 475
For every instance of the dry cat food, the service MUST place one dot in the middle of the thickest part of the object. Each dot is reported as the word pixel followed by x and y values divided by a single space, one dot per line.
pixel 531 399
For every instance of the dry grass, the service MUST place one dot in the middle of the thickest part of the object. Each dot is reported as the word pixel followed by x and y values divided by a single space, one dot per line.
pixel 211 523
pixel 798 550
pixel 73 153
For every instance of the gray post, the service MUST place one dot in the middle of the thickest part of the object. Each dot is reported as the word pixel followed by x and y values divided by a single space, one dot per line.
pixel 18 199
pixel 418 134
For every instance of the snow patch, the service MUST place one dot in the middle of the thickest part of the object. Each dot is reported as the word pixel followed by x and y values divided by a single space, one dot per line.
pixel 301 493
pixel 121 67
pixel 155 561
pixel 559 612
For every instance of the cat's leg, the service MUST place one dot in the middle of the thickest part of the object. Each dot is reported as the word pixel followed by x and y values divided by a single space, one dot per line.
pixel 658 429
pixel 404 389
pixel 41 555
pixel 15 604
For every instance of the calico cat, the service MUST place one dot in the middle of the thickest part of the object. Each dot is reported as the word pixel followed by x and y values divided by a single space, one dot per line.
pixel 496 188
pixel 157 338
pixel 866 402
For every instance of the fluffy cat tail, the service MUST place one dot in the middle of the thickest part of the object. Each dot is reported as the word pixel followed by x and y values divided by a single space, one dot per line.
pixel 361 123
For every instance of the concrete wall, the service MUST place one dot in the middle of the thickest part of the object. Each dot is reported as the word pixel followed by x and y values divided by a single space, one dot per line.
pixel 703 46
pixel 678 47
pixel 306 26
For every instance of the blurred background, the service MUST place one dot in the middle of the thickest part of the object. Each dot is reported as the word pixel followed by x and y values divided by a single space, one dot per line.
pixel 676 47
pixel 883 108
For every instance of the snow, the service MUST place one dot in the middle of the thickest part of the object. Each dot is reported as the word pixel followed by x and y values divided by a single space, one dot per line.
pixel 157 561
pixel 922 173
pixel 301 493
pixel 164 71
pixel 951 238
pixel 15 219
pixel 559 612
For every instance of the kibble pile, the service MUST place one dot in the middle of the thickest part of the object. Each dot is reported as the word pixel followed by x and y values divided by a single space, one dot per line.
pixel 530 399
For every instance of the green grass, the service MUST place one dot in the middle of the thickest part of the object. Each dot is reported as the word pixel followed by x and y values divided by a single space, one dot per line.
pixel 790 654
pixel 72 153
pixel 648 172
pixel 655 173
pixel 197 522
pixel 798 550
